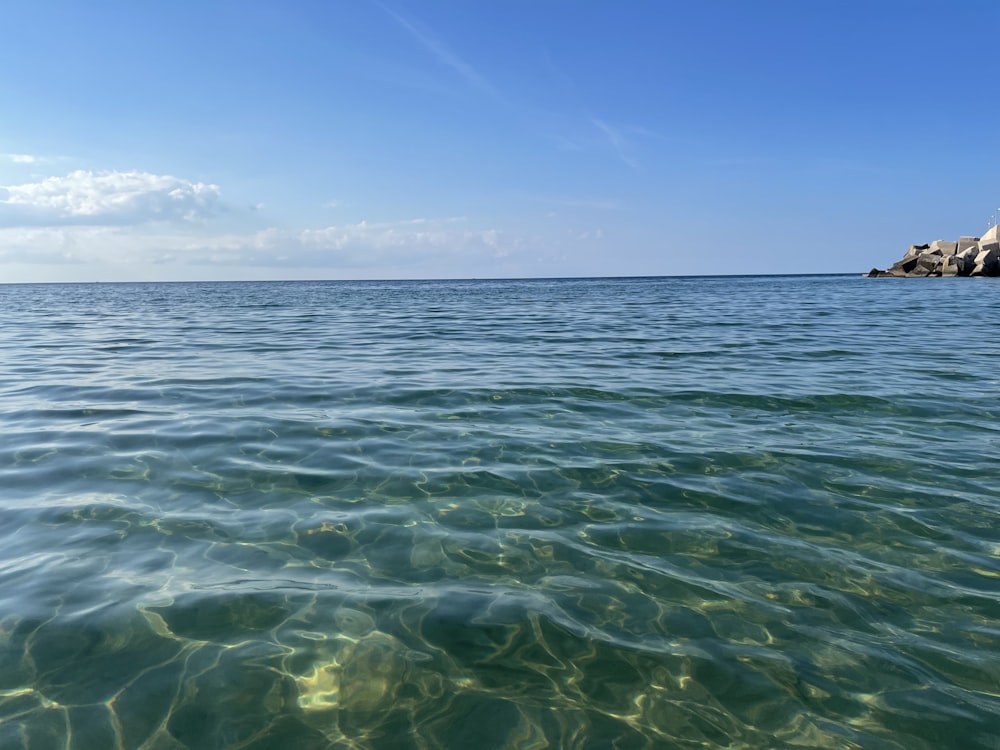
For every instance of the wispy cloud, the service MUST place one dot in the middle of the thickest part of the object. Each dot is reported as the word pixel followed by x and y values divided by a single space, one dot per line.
pixel 617 140
pixel 443 53
pixel 563 82
pixel 588 236
pixel 564 143
pixel 582 123
pixel 21 158
pixel 615 136
pixel 640 130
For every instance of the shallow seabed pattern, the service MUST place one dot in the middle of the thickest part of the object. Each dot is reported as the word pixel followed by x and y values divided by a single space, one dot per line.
pixel 753 512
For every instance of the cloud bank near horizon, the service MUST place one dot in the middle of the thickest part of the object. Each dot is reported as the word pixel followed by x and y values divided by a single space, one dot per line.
pixel 160 224
pixel 359 245
pixel 138 218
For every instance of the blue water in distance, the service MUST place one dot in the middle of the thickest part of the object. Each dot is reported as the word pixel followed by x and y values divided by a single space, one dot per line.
pixel 729 512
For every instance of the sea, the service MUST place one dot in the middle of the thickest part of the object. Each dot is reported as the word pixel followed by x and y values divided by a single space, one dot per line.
pixel 715 512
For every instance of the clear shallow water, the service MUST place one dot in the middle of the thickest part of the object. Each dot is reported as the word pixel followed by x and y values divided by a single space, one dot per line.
pixel 653 513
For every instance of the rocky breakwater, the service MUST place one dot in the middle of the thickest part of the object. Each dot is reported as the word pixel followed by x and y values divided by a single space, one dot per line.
pixel 970 256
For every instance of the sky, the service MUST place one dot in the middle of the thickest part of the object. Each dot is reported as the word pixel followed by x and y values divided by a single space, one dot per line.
pixel 392 139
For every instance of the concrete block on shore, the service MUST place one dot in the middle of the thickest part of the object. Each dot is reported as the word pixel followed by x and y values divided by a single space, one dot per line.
pixel 906 264
pixel 988 256
pixel 943 248
pixel 929 261
pixel 989 260
pixel 990 240
pixel 969 256
pixel 954 265
pixel 967 243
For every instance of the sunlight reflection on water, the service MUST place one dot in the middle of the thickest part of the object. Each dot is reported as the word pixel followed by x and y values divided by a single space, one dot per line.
pixel 722 512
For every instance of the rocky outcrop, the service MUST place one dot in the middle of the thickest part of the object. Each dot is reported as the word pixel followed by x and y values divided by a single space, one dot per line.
pixel 970 256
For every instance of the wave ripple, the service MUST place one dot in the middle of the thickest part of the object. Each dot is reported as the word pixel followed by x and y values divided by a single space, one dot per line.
pixel 632 513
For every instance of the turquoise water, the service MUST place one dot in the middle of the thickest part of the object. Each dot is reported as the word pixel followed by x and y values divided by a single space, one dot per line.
pixel 751 512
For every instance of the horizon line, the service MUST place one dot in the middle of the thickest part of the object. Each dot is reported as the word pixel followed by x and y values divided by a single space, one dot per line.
pixel 440 279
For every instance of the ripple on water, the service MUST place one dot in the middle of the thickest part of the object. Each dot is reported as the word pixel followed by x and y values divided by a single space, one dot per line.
pixel 592 513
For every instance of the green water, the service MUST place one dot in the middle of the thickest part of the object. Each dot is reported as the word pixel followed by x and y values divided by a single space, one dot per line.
pixel 659 513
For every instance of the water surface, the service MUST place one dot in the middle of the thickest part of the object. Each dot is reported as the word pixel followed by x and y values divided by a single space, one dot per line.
pixel 607 513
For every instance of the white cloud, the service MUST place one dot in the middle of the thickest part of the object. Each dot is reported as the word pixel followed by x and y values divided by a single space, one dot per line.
pixel 107 198
pixel 354 245
pixel 414 244
pixel 21 158
pixel 55 244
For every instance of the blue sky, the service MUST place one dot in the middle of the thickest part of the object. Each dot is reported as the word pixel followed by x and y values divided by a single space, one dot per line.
pixel 456 139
